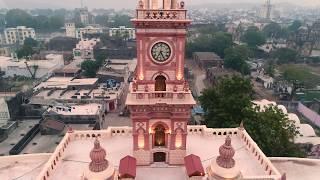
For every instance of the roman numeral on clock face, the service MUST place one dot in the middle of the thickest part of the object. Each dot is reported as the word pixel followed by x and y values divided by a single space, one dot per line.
pixel 161 52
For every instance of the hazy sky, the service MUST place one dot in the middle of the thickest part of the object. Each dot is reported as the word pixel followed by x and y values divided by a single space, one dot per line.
pixel 122 3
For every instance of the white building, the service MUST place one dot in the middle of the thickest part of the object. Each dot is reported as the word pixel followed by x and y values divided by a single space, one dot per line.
pixel 84 16
pixel 128 33
pixel 84 49
pixel 70 29
pixel 36 68
pixel 4 112
pixel 2 40
pixel 18 34
pixel 81 32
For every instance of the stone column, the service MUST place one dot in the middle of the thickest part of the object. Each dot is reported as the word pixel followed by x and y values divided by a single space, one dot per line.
pixel 146 4
pixel 167 4
pixel 173 4
pixel 154 4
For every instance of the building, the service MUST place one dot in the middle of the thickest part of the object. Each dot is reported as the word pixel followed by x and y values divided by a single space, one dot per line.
pixel 207 59
pixel 84 49
pixel 72 90
pixel 77 114
pixel 124 32
pixel 117 69
pixel 214 74
pixel 51 127
pixel 4 112
pixel 159 99
pixel 70 30
pixel 2 39
pixel 88 30
pixel 31 68
pixel 18 34
pixel 84 15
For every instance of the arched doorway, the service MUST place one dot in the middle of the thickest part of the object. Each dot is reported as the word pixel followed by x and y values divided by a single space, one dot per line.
pixel 160 83
pixel 159 136
pixel 159 157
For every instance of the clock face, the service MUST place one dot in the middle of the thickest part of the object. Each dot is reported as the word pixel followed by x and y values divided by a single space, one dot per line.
pixel 161 52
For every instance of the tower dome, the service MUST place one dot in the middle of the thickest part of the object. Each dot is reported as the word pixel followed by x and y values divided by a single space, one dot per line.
pixel 97 155
pixel 99 167
pixel 226 151
pixel 224 166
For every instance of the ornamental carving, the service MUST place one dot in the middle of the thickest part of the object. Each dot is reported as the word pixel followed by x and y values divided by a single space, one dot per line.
pixel 162 14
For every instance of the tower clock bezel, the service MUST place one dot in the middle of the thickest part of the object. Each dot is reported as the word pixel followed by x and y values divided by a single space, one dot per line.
pixel 156 61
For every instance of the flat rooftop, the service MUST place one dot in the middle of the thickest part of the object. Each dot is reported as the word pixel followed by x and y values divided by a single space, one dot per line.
pixel 76 157
pixel 16 135
pixel 65 82
pixel 22 167
pixel 298 168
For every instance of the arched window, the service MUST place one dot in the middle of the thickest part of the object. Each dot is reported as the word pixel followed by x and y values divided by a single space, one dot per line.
pixel 140 139
pixel 160 83
pixel 160 136
pixel 178 138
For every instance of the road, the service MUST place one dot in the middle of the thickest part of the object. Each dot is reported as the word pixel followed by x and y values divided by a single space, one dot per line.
pixel 198 84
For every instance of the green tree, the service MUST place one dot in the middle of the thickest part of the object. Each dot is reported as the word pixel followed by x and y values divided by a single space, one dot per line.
pixel 227 103
pixel 121 20
pixel 273 132
pixel 18 17
pixel 295 26
pixel 220 42
pixel 285 55
pixel 253 37
pixel 25 52
pixel 236 57
pixel 90 68
pixel 30 42
pixel 215 42
pixel 272 30
pixel 102 20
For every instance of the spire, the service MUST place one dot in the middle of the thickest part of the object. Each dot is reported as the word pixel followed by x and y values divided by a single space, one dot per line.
pixel 226 151
pixel 97 155
pixel 241 127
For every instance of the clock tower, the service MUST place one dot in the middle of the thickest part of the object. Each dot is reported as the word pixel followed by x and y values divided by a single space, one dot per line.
pixel 159 99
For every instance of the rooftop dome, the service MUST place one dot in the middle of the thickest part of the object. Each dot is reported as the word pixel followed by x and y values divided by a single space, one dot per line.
pixel 97 156
pixel 226 151
pixel 99 168
pixel 224 166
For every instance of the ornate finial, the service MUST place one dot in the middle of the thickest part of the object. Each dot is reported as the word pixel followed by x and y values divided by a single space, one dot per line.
pixel 97 155
pixel 141 5
pixel 226 151
pixel 241 127
pixel 175 88
pixel 182 5
pixel 70 130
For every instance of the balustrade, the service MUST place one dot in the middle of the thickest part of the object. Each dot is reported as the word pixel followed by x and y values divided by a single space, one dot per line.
pixel 162 14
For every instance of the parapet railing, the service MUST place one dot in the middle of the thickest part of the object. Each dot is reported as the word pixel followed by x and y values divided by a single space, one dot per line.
pixel 57 156
pixel 271 172
pixel 164 14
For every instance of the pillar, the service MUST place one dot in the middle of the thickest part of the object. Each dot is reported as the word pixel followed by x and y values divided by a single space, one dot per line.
pixel 146 4
pixel 174 4
pixel 154 4
pixel 167 4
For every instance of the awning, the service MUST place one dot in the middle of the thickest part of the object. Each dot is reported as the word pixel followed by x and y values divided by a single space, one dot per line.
pixel 193 165
pixel 128 167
